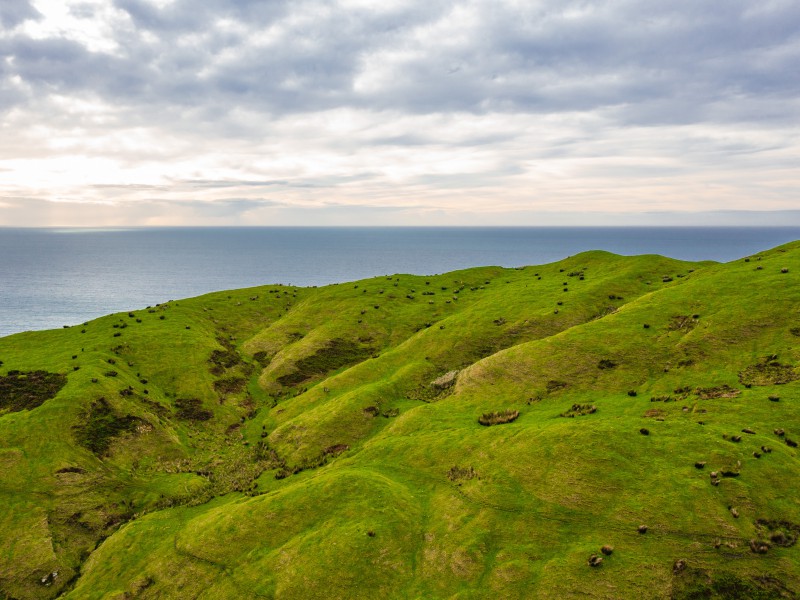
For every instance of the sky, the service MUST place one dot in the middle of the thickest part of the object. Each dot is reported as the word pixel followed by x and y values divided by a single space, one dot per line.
pixel 366 112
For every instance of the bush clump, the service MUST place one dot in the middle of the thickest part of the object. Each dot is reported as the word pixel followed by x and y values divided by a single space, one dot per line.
pixel 554 386
pixel 224 359
pixel 498 418
pixel 578 410
pixel 230 385
pixel 100 425
pixel 191 409
pixel 720 391
pixel 25 391
pixel 457 473
pixel 336 354
pixel 336 449
pixel 780 533
pixel 767 372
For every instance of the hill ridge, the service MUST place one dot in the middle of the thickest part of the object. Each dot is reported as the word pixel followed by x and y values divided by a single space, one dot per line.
pixel 290 442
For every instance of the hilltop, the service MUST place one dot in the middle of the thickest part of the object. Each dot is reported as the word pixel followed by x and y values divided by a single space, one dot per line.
pixel 478 434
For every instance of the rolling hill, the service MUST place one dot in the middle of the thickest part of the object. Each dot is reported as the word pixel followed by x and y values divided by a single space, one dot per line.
pixel 602 427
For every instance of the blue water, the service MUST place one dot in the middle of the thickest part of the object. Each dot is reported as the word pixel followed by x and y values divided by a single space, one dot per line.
pixel 55 277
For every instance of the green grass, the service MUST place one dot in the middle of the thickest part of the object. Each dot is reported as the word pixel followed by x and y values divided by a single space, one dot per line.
pixel 335 443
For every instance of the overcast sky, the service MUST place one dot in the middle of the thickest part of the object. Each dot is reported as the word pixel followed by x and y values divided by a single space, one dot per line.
pixel 245 112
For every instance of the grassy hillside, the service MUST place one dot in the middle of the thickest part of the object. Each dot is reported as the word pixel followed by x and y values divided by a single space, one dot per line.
pixel 485 433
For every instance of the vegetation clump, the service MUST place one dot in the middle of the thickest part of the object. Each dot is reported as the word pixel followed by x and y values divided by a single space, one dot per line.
pixel 662 398
pixel 262 358
pixel 336 354
pixel 191 409
pixel 101 424
pixel 691 584
pixel 554 385
pixel 230 385
pixel 25 391
pixel 457 473
pixel 498 418
pixel 720 391
pixel 767 372
pixel 780 533
pixel 224 359
pixel 579 410
pixel 336 449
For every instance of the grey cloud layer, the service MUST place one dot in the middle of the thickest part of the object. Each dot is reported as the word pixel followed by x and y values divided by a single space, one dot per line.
pixel 681 61
pixel 250 110
pixel 14 12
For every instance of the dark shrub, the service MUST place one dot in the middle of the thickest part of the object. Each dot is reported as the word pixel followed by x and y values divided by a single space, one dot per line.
pixel 25 391
pixel 101 424
pixel 457 473
pixel 498 418
pixel 191 409
pixel 336 449
pixel 578 410
pixel 767 372
pixel 226 359
pixel 721 391
pixel 230 385
pixel 334 355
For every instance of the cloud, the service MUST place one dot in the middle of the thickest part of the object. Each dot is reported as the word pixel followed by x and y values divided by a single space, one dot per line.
pixel 14 12
pixel 615 105
pixel 282 58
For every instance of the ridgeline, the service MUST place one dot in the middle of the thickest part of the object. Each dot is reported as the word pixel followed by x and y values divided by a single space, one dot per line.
pixel 603 426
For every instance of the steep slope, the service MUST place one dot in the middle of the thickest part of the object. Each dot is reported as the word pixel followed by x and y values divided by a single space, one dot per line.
pixel 328 442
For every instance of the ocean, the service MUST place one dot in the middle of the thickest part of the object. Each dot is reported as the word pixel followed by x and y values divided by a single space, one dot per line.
pixel 55 277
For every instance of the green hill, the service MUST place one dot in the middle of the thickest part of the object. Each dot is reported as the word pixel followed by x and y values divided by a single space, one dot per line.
pixel 477 434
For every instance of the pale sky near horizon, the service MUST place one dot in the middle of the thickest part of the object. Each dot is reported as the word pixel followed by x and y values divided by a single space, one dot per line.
pixel 358 112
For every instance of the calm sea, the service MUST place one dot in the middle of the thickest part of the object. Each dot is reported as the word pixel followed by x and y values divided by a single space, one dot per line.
pixel 55 277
